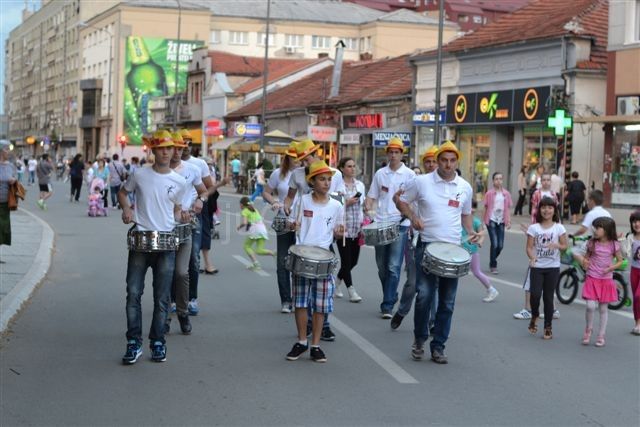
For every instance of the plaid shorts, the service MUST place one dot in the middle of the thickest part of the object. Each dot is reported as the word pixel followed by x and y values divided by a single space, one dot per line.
pixel 317 293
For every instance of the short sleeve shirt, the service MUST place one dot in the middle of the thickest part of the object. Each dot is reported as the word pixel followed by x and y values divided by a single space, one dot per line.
pixel 542 237
pixel 191 175
pixel 601 259
pixel 386 182
pixel 317 221
pixel 201 165
pixel 235 166
pixel 596 212
pixel 280 183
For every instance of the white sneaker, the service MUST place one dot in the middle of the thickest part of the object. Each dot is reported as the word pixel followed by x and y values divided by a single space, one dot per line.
pixel 492 294
pixel 338 292
pixel 286 308
pixel 556 314
pixel 523 314
pixel 353 295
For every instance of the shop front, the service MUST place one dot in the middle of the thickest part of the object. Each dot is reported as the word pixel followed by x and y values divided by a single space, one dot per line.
pixel 625 165
pixel 380 142
pixel 424 124
pixel 327 137
pixel 356 141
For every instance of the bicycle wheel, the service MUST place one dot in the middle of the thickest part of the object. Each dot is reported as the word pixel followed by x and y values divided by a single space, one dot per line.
pixel 567 287
pixel 621 287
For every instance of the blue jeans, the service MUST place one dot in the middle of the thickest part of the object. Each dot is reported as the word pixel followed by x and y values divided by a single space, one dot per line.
pixel 389 261
pixel 162 264
pixel 114 194
pixel 496 235
pixel 257 192
pixel 427 285
pixel 194 261
pixel 284 242
pixel 409 288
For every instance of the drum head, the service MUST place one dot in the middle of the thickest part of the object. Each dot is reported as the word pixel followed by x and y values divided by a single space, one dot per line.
pixel 448 252
pixel 311 252
pixel 378 225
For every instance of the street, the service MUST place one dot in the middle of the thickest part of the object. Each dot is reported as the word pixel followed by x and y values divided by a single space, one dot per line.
pixel 61 360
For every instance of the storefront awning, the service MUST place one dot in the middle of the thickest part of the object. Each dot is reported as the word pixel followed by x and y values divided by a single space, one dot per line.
pixel 608 119
pixel 245 146
pixel 224 144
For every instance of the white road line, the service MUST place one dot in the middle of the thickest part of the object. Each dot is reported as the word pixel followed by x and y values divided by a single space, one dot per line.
pixel 247 263
pixel 374 353
pixel 577 300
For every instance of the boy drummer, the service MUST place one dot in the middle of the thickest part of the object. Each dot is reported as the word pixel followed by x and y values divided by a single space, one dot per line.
pixel 159 192
pixel 319 219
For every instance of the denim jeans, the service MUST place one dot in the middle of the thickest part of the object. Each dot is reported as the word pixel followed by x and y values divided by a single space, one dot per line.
pixel 496 235
pixel 194 261
pixel 180 287
pixel 427 285
pixel 162 264
pixel 409 288
pixel 114 194
pixel 389 261
pixel 257 192
pixel 284 242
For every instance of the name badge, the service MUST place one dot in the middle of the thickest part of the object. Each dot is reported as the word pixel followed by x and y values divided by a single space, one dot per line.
pixel 454 203
pixel 308 213
pixel 385 189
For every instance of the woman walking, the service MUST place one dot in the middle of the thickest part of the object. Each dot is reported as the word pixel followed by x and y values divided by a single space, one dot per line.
pixel 76 173
pixel 102 172
pixel 7 177
pixel 575 194
pixel 497 205
pixel 522 189
pixel 258 177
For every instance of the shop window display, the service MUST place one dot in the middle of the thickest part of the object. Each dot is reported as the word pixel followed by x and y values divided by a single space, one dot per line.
pixel 625 171
pixel 475 146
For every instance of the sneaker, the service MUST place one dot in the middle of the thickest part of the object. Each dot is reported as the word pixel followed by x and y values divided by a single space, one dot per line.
pixel 600 341
pixel 286 308
pixel 296 351
pixel 387 315
pixel 492 294
pixel 523 314
pixel 327 335
pixel 438 357
pixel 494 271
pixel 158 352
pixel 353 295
pixel 192 307
pixel 635 330
pixel 417 351
pixel 317 355
pixel 338 292
pixel 40 204
pixel 556 314
pixel 396 320
pixel 254 266
pixel 185 325
pixel 133 353
pixel 173 307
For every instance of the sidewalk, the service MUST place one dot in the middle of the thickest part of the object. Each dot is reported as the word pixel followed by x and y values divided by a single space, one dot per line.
pixel 27 261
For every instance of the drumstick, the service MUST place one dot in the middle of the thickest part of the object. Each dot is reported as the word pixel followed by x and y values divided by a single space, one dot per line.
pixel 344 224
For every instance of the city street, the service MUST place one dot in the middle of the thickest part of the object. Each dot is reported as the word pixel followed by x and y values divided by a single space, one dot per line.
pixel 60 363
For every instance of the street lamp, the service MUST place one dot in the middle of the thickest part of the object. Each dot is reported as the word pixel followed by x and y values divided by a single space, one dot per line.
pixel 83 24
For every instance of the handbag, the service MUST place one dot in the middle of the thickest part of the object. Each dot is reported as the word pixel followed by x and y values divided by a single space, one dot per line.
pixel 16 191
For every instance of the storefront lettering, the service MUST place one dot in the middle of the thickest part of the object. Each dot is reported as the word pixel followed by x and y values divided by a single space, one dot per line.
pixel 363 121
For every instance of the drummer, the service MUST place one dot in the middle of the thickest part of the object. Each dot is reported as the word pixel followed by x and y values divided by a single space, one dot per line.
pixel 159 194
pixel 194 198
pixel 386 182
pixel 444 207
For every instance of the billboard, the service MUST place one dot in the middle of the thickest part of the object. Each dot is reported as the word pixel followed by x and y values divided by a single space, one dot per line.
pixel 150 72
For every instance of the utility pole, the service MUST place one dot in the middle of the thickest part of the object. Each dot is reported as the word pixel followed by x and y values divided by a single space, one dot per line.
pixel 436 132
pixel 175 86
pixel 64 76
pixel 265 78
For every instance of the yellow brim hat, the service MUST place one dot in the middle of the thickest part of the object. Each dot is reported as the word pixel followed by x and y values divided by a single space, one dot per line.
pixel 305 148
pixel 178 141
pixel 396 143
pixel 318 168
pixel 431 152
pixel 291 150
pixel 448 147
pixel 161 138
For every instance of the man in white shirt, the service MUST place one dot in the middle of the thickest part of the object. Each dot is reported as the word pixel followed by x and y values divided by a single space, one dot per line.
pixel 594 202
pixel 444 207
pixel 386 182
pixel 31 168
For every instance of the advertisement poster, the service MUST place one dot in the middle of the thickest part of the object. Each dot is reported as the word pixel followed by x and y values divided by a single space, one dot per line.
pixel 150 72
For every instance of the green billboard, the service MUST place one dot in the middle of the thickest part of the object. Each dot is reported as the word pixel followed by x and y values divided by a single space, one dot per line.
pixel 150 72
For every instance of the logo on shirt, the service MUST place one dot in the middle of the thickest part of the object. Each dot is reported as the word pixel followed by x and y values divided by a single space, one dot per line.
pixel 171 190
pixel 308 213
pixel 542 241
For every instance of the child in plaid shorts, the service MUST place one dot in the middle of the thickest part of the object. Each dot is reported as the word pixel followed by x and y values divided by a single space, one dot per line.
pixel 318 219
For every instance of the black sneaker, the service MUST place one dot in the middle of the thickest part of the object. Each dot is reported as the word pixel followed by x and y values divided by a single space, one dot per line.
pixel 417 351
pixel 296 351
pixel 133 353
pixel 317 355
pixel 439 357
pixel 396 320
pixel 327 335
pixel 185 324
pixel 158 352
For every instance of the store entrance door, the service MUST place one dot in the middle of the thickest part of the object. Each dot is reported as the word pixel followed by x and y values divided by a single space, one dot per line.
pixel 474 165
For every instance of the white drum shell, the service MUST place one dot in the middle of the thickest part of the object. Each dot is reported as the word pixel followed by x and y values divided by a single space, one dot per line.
pixel 310 262
pixel 380 233
pixel 446 260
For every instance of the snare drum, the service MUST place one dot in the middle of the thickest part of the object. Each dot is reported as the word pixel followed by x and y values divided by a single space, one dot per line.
pixel 311 262
pixel 279 224
pixel 151 241
pixel 446 260
pixel 183 232
pixel 380 233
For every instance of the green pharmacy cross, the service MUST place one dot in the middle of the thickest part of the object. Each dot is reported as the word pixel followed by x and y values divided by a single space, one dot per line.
pixel 559 122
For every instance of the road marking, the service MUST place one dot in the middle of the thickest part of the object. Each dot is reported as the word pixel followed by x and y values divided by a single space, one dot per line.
pixel 373 352
pixel 577 300
pixel 247 263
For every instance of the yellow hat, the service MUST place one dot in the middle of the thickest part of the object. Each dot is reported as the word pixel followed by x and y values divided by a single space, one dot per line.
pixel 396 143
pixel 178 141
pixel 431 152
pixel 291 150
pixel 160 138
pixel 186 135
pixel 318 167
pixel 304 148
pixel 450 147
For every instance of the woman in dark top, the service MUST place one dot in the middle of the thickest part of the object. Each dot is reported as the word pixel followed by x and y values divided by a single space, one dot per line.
pixel 76 173
pixel 575 194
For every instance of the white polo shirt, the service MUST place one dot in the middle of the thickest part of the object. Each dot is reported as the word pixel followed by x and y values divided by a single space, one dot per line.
pixel 440 206
pixel 385 184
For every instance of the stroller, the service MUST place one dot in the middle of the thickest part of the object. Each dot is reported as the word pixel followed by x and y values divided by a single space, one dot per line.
pixel 96 205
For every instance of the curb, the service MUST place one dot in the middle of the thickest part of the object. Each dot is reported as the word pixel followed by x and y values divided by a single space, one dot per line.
pixel 13 302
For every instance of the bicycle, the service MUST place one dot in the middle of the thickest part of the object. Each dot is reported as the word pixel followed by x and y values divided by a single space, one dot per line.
pixel 570 279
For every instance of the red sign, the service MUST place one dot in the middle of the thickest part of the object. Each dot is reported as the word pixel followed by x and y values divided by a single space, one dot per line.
pixel 322 133
pixel 214 127
pixel 363 121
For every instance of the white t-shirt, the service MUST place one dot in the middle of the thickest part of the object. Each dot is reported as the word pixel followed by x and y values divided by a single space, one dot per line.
pixel 317 221
pixel 385 184
pixel 156 195
pixel 440 206
pixel 279 183
pixel 201 165
pixel 596 212
pixel 191 175
pixel 545 257
pixel 497 215
pixel 33 163
pixel 299 182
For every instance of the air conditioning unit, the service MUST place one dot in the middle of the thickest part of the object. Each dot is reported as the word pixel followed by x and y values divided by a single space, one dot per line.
pixel 289 50
pixel 628 105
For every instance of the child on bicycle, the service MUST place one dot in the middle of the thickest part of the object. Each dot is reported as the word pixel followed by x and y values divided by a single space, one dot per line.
pixel 545 239
pixel 252 222
pixel 599 289
pixel 634 258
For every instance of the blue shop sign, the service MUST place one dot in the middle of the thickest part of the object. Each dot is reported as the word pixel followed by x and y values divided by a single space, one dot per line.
pixel 427 118
pixel 381 139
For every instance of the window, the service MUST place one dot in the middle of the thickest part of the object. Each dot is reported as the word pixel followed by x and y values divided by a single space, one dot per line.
pixel 320 42
pixel 238 37
pixel 262 36
pixel 463 18
pixel 214 38
pixel 294 40
pixel 351 43
pixel 477 19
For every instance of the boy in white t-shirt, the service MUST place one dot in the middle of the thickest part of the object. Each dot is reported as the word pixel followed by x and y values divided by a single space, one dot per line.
pixel 318 219
pixel 159 194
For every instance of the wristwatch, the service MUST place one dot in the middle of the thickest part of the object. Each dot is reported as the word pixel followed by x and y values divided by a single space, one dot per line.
pixel 203 199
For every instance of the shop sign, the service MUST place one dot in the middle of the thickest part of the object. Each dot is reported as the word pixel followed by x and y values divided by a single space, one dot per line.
pixel 461 108
pixel 247 130
pixel 381 139
pixel 363 121
pixel 427 118
pixel 214 127
pixel 530 104
pixel 494 106
pixel 322 133
pixel 350 138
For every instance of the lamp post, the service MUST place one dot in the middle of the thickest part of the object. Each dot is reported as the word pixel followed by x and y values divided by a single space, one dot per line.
pixel 265 78
pixel 175 85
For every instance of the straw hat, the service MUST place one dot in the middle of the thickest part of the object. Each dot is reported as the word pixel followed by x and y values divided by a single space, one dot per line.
pixel 186 135
pixel 396 143
pixel 431 152
pixel 317 168
pixel 160 138
pixel 449 147
pixel 291 150
pixel 305 148
pixel 178 141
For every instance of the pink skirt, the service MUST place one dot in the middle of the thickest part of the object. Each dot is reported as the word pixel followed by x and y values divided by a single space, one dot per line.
pixel 601 290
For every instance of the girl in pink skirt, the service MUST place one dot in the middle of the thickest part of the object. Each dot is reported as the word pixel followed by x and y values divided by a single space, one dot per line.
pixel 599 288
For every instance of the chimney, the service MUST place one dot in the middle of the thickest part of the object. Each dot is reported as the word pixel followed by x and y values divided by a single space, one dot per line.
pixel 337 70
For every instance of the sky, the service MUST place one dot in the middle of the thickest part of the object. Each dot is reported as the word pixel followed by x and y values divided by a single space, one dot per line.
pixel 10 16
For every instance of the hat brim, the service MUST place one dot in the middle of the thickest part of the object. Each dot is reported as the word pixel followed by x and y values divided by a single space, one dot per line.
pixel 392 147
pixel 320 172
pixel 449 150
pixel 180 145
pixel 292 154
pixel 305 154
pixel 162 144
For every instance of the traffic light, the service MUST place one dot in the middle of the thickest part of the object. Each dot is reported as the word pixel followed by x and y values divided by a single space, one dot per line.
pixel 122 139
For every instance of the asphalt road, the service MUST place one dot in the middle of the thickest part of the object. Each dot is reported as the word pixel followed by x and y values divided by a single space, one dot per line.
pixel 60 364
